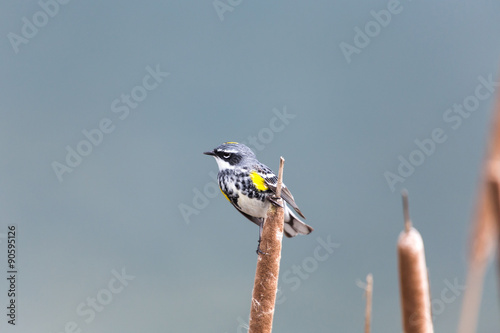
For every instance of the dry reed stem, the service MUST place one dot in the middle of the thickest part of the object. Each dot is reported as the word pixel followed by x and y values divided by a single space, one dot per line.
pixel 413 279
pixel 485 230
pixel 280 177
pixel 268 265
pixel 368 294
pixel 494 185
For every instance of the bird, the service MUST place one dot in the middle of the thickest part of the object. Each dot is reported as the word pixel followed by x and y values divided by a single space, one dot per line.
pixel 250 186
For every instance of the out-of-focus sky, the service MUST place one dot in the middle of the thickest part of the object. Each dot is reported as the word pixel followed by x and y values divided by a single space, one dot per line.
pixel 106 109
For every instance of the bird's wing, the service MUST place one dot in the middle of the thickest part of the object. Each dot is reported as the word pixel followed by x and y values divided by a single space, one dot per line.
pixel 271 181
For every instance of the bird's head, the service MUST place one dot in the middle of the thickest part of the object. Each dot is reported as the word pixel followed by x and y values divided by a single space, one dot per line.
pixel 230 155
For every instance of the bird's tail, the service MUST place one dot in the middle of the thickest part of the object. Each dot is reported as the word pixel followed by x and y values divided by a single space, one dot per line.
pixel 293 226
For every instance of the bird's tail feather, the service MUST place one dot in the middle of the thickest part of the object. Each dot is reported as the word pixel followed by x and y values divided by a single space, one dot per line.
pixel 293 226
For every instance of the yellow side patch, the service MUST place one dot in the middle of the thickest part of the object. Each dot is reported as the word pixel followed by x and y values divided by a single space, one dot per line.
pixel 231 142
pixel 258 181
pixel 224 194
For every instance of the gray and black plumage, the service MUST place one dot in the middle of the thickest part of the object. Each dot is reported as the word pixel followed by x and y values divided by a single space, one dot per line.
pixel 249 185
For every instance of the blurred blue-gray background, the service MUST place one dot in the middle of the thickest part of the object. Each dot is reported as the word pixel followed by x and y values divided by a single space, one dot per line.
pixel 106 109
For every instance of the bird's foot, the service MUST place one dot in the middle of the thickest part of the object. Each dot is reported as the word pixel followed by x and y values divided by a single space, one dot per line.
pixel 258 251
pixel 274 200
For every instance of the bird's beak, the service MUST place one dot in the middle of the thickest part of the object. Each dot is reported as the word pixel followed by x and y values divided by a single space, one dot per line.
pixel 211 153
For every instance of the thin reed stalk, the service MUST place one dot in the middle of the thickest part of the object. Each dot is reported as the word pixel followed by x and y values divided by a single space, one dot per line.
pixel 368 309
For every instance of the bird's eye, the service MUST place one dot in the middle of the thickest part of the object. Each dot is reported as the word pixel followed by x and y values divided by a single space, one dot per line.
pixel 226 155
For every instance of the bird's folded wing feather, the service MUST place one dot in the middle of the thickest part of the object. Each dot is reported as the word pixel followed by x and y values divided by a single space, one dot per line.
pixel 271 181
pixel 285 194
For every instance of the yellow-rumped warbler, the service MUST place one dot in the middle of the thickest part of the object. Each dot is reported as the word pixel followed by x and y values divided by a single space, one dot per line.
pixel 250 185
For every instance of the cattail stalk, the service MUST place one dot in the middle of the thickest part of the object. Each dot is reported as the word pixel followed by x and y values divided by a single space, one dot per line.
pixel 268 266
pixel 482 244
pixel 413 279
pixel 485 230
